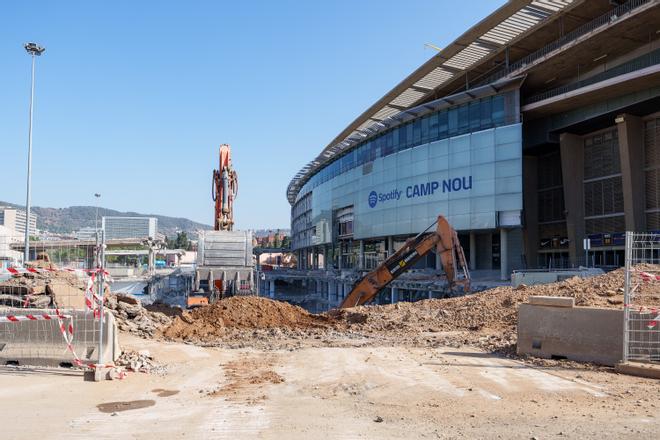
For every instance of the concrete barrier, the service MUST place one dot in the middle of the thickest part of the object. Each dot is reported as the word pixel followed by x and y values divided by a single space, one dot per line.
pixel 578 333
pixel 553 301
pixel 40 343
pixel 532 277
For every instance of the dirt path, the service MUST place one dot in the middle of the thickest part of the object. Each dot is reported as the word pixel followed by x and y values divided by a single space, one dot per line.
pixel 330 393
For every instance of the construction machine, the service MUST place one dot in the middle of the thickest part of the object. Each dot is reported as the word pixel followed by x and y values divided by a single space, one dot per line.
pixel 224 256
pixel 445 242
pixel 224 189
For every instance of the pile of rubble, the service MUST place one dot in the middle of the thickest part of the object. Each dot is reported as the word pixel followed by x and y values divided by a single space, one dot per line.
pixel 487 319
pixel 132 317
pixel 139 361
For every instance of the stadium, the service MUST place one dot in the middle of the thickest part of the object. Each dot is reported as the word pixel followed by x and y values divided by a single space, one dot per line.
pixel 536 129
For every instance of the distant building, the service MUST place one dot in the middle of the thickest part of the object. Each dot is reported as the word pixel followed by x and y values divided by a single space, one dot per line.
pixel 14 218
pixel 270 238
pixel 86 233
pixel 9 257
pixel 130 227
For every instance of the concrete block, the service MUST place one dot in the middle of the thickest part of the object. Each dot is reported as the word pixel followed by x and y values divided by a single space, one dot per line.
pixel 638 369
pixel 578 333
pixel 40 343
pixel 553 301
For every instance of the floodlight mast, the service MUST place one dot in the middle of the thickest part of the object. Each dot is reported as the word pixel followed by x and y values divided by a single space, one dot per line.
pixel 34 50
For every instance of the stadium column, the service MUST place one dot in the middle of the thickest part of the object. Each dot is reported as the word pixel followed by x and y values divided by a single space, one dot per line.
pixel 361 256
pixel 572 172
pixel 530 202
pixel 631 153
pixel 394 295
pixel 504 254
pixel 473 250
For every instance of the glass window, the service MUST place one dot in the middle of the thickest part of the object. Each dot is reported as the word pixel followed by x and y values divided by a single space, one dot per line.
pixel 486 120
pixel 475 116
pixel 402 137
pixel 372 151
pixel 433 127
pixel 442 124
pixel 425 129
pixel 417 132
pixel 463 118
pixel 498 110
pixel 453 121
pixel 389 143
pixel 409 135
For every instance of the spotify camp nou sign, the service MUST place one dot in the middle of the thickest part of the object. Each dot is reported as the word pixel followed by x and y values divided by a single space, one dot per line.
pixel 421 190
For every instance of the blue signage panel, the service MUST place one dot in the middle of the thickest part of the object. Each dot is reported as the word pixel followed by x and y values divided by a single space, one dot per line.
pixel 470 179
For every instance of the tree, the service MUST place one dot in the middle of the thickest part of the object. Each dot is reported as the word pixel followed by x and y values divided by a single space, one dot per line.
pixel 182 241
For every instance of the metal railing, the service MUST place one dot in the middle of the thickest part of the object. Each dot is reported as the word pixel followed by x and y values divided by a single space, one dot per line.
pixel 647 60
pixel 605 19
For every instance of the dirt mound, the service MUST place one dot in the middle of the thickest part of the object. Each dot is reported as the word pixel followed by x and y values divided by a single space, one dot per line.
pixel 486 319
pixel 240 312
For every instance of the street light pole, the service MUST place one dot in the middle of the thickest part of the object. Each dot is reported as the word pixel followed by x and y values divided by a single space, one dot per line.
pixel 34 50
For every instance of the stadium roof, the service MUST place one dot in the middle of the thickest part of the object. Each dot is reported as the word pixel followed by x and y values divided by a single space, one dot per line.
pixel 468 59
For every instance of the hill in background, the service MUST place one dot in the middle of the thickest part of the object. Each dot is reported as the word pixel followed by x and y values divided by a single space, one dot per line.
pixel 73 218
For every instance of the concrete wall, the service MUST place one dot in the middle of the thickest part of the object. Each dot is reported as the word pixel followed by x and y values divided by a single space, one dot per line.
pixel 578 333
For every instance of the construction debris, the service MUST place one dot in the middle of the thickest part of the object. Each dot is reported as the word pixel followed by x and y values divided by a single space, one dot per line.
pixel 132 317
pixel 487 320
pixel 140 361
pixel 43 290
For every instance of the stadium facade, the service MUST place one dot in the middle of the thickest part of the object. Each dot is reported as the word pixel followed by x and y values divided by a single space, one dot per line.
pixel 537 128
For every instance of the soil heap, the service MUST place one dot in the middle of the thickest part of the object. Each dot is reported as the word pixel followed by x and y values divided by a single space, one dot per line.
pixel 209 323
pixel 487 319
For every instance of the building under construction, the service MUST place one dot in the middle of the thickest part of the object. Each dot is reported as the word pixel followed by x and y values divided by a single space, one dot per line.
pixel 537 128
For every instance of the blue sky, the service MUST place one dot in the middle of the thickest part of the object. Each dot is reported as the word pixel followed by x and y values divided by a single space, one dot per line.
pixel 134 98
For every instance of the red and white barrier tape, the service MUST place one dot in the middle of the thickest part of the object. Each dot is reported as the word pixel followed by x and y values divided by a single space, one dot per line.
pixel 37 317
pixel 22 270
pixel 67 334
pixel 649 277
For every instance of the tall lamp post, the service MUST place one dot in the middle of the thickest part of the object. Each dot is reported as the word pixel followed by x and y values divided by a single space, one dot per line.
pixel 34 50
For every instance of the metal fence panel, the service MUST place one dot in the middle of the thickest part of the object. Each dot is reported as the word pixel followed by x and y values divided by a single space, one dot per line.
pixel 642 298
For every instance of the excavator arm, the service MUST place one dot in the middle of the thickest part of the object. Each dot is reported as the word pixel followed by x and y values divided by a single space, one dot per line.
pixel 444 240
pixel 224 189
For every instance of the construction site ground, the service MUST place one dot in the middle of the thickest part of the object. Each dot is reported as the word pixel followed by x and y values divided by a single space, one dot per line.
pixel 251 367
pixel 336 392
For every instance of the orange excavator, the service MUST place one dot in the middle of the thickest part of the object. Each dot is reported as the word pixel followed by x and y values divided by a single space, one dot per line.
pixel 224 189
pixel 445 242
pixel 224 257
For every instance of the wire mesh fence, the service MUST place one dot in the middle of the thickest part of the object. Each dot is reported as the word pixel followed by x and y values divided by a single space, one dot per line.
pixel 642 298
pixel 48 307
